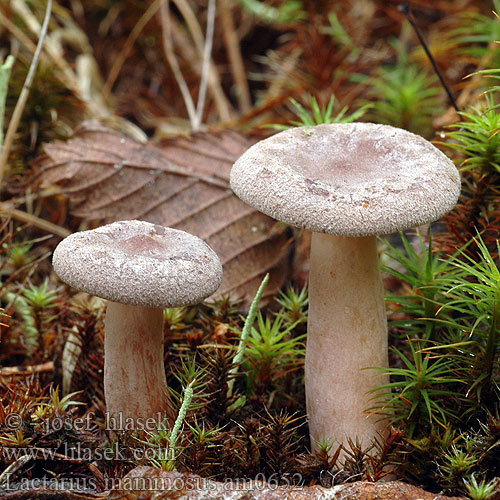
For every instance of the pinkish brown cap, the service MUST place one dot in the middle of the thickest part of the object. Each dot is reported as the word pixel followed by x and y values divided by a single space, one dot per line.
pixel 138 263
pixel 349 179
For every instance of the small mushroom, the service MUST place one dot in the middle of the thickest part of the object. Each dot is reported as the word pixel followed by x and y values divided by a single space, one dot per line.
pixel 346 183
pixel 140 268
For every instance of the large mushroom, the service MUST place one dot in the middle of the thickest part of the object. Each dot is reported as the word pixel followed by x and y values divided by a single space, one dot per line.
pixel 140 268
pixel 346 183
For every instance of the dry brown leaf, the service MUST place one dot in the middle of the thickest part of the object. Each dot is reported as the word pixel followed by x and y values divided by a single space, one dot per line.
pixel 181 183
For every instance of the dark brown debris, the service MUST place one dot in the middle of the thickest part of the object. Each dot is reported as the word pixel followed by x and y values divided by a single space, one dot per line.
pixel 173 485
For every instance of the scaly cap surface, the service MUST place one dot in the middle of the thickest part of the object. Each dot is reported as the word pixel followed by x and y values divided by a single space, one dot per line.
pixel 138 263
pixel 353 179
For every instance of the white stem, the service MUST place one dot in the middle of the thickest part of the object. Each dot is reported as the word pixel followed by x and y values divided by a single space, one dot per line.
pixel 347 332
pixel 134 375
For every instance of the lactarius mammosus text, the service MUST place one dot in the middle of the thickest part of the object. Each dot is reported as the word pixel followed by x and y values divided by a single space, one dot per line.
pixel 140 268
pixel 346 183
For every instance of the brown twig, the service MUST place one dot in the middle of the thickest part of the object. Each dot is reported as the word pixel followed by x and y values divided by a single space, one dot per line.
pixel 235 59
pixel 10 371
pixel 34 220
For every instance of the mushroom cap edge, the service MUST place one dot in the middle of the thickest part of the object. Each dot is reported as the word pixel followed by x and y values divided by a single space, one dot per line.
pixel 323 179
pixel 139 263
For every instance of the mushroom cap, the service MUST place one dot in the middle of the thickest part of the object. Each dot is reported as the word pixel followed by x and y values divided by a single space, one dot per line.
pixel 138 263
pixel 347 179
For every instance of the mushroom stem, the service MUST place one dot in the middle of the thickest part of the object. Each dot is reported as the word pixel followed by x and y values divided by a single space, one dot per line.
pixel 347 332
pixel 135 385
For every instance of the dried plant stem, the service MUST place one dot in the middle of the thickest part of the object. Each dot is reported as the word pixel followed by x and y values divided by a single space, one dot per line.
pixel 52 53
pixel 129 43
pixel 13 467
pixel 5 69
pixel 23 97
pixel 174 64
pixel 405 8
pixel 235 59
pixel 6 210
pixel 220 100
pixel 189 52
pixel 18 33
pixel 52 46
pixel 205 68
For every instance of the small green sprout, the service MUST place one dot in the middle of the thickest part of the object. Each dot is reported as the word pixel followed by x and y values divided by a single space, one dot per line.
pixel 480 490
pixel 476 137
pixel 40 297
pixel 318 115
pixel 294 305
